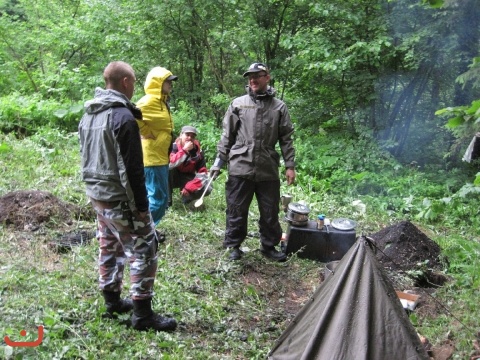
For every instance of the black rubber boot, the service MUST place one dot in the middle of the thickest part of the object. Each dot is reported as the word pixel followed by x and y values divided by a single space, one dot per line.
pixel 144 318
pixel 115 305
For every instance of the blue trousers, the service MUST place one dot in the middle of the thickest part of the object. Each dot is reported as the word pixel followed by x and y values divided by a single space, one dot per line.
pixel 156 181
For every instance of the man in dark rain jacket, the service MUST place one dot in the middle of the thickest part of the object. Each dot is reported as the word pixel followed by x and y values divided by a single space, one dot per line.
pixel 112 169
pixel 252 126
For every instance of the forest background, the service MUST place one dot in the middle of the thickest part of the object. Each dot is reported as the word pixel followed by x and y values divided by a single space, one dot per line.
pixel 361 71
pixel 385 95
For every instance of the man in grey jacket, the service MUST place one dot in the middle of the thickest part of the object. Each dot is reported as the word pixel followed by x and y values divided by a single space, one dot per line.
pixel 112 169
pixel 252 126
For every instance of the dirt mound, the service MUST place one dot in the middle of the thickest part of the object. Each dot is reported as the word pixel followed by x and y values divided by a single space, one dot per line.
pixel 403 247
pixel 28 210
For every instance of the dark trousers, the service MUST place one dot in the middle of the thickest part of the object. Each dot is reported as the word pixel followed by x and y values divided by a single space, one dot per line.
pixel 239 195
pixel 176 179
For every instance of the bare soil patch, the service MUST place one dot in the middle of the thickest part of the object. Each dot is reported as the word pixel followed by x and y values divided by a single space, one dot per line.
pixel 31 209
pixel 38 227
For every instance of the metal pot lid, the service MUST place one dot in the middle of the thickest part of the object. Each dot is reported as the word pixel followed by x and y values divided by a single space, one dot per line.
pixel 298 208
pixel 343 224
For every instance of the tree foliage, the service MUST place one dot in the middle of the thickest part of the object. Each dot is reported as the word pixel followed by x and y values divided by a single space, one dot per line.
pixel 373 68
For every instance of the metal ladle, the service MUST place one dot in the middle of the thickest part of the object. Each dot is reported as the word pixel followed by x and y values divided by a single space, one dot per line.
pixel 199 202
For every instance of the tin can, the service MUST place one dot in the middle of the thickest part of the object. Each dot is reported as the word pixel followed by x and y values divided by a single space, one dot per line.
pixel 320 221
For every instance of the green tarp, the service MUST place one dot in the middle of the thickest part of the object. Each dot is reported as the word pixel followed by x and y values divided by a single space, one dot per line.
pixel 354 314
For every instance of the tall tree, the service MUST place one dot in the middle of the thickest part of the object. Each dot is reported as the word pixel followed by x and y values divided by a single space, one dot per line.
pixel 48 45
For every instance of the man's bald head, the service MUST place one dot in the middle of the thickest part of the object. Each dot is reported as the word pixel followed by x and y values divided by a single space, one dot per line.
pixel 119 75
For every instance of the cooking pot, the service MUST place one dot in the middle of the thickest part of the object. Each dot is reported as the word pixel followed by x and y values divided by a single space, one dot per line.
pixel 297 214
pixel 297 223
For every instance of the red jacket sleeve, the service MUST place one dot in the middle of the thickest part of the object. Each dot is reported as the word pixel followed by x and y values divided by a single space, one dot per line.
pixel 177 156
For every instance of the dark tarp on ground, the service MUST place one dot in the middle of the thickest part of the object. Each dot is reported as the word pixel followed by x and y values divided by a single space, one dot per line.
pixel 354 314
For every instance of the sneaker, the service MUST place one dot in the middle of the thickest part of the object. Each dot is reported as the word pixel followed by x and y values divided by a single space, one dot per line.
pixel 155 322
pixel 273 254
pixel 235 254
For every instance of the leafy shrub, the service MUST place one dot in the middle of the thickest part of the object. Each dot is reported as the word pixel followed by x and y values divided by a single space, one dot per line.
pixel 49 160
pixel 23 115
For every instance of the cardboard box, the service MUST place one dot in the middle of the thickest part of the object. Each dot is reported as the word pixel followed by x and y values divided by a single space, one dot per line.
pixel 409 301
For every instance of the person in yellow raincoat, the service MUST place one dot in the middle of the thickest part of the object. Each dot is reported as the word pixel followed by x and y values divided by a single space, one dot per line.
pixel 156 130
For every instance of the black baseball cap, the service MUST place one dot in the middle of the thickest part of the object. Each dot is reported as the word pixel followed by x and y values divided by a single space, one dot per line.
pixel 256 67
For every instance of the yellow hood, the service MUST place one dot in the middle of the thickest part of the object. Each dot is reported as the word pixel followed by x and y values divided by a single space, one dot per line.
pixel 155 79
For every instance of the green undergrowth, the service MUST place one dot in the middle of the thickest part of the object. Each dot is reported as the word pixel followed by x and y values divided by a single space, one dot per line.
pixel 226 310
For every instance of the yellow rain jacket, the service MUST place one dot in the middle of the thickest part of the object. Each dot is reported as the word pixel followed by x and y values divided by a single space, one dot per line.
pixel 156 127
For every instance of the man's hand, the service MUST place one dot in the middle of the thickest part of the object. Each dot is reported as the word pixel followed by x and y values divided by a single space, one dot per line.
pixel 214 172
pixel 142 215
pixel 148 136
pixel 215 169
pixel 290 174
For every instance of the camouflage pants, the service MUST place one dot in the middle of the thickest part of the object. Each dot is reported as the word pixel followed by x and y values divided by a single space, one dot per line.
pixel 124 236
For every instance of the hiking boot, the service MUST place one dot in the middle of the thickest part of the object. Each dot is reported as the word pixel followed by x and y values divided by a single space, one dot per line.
pixel 235 254
pixel 115 305
pixel 273 254
pixel 154 322
pixel 144 318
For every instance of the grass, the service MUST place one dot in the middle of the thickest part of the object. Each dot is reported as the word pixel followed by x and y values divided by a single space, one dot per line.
pixel 223 308
pixel 226 310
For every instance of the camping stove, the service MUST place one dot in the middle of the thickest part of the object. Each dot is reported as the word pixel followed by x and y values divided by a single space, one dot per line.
pixel 325 245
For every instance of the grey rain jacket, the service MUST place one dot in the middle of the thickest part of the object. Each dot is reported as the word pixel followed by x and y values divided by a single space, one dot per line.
pixel 252 126
pixel 112 160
